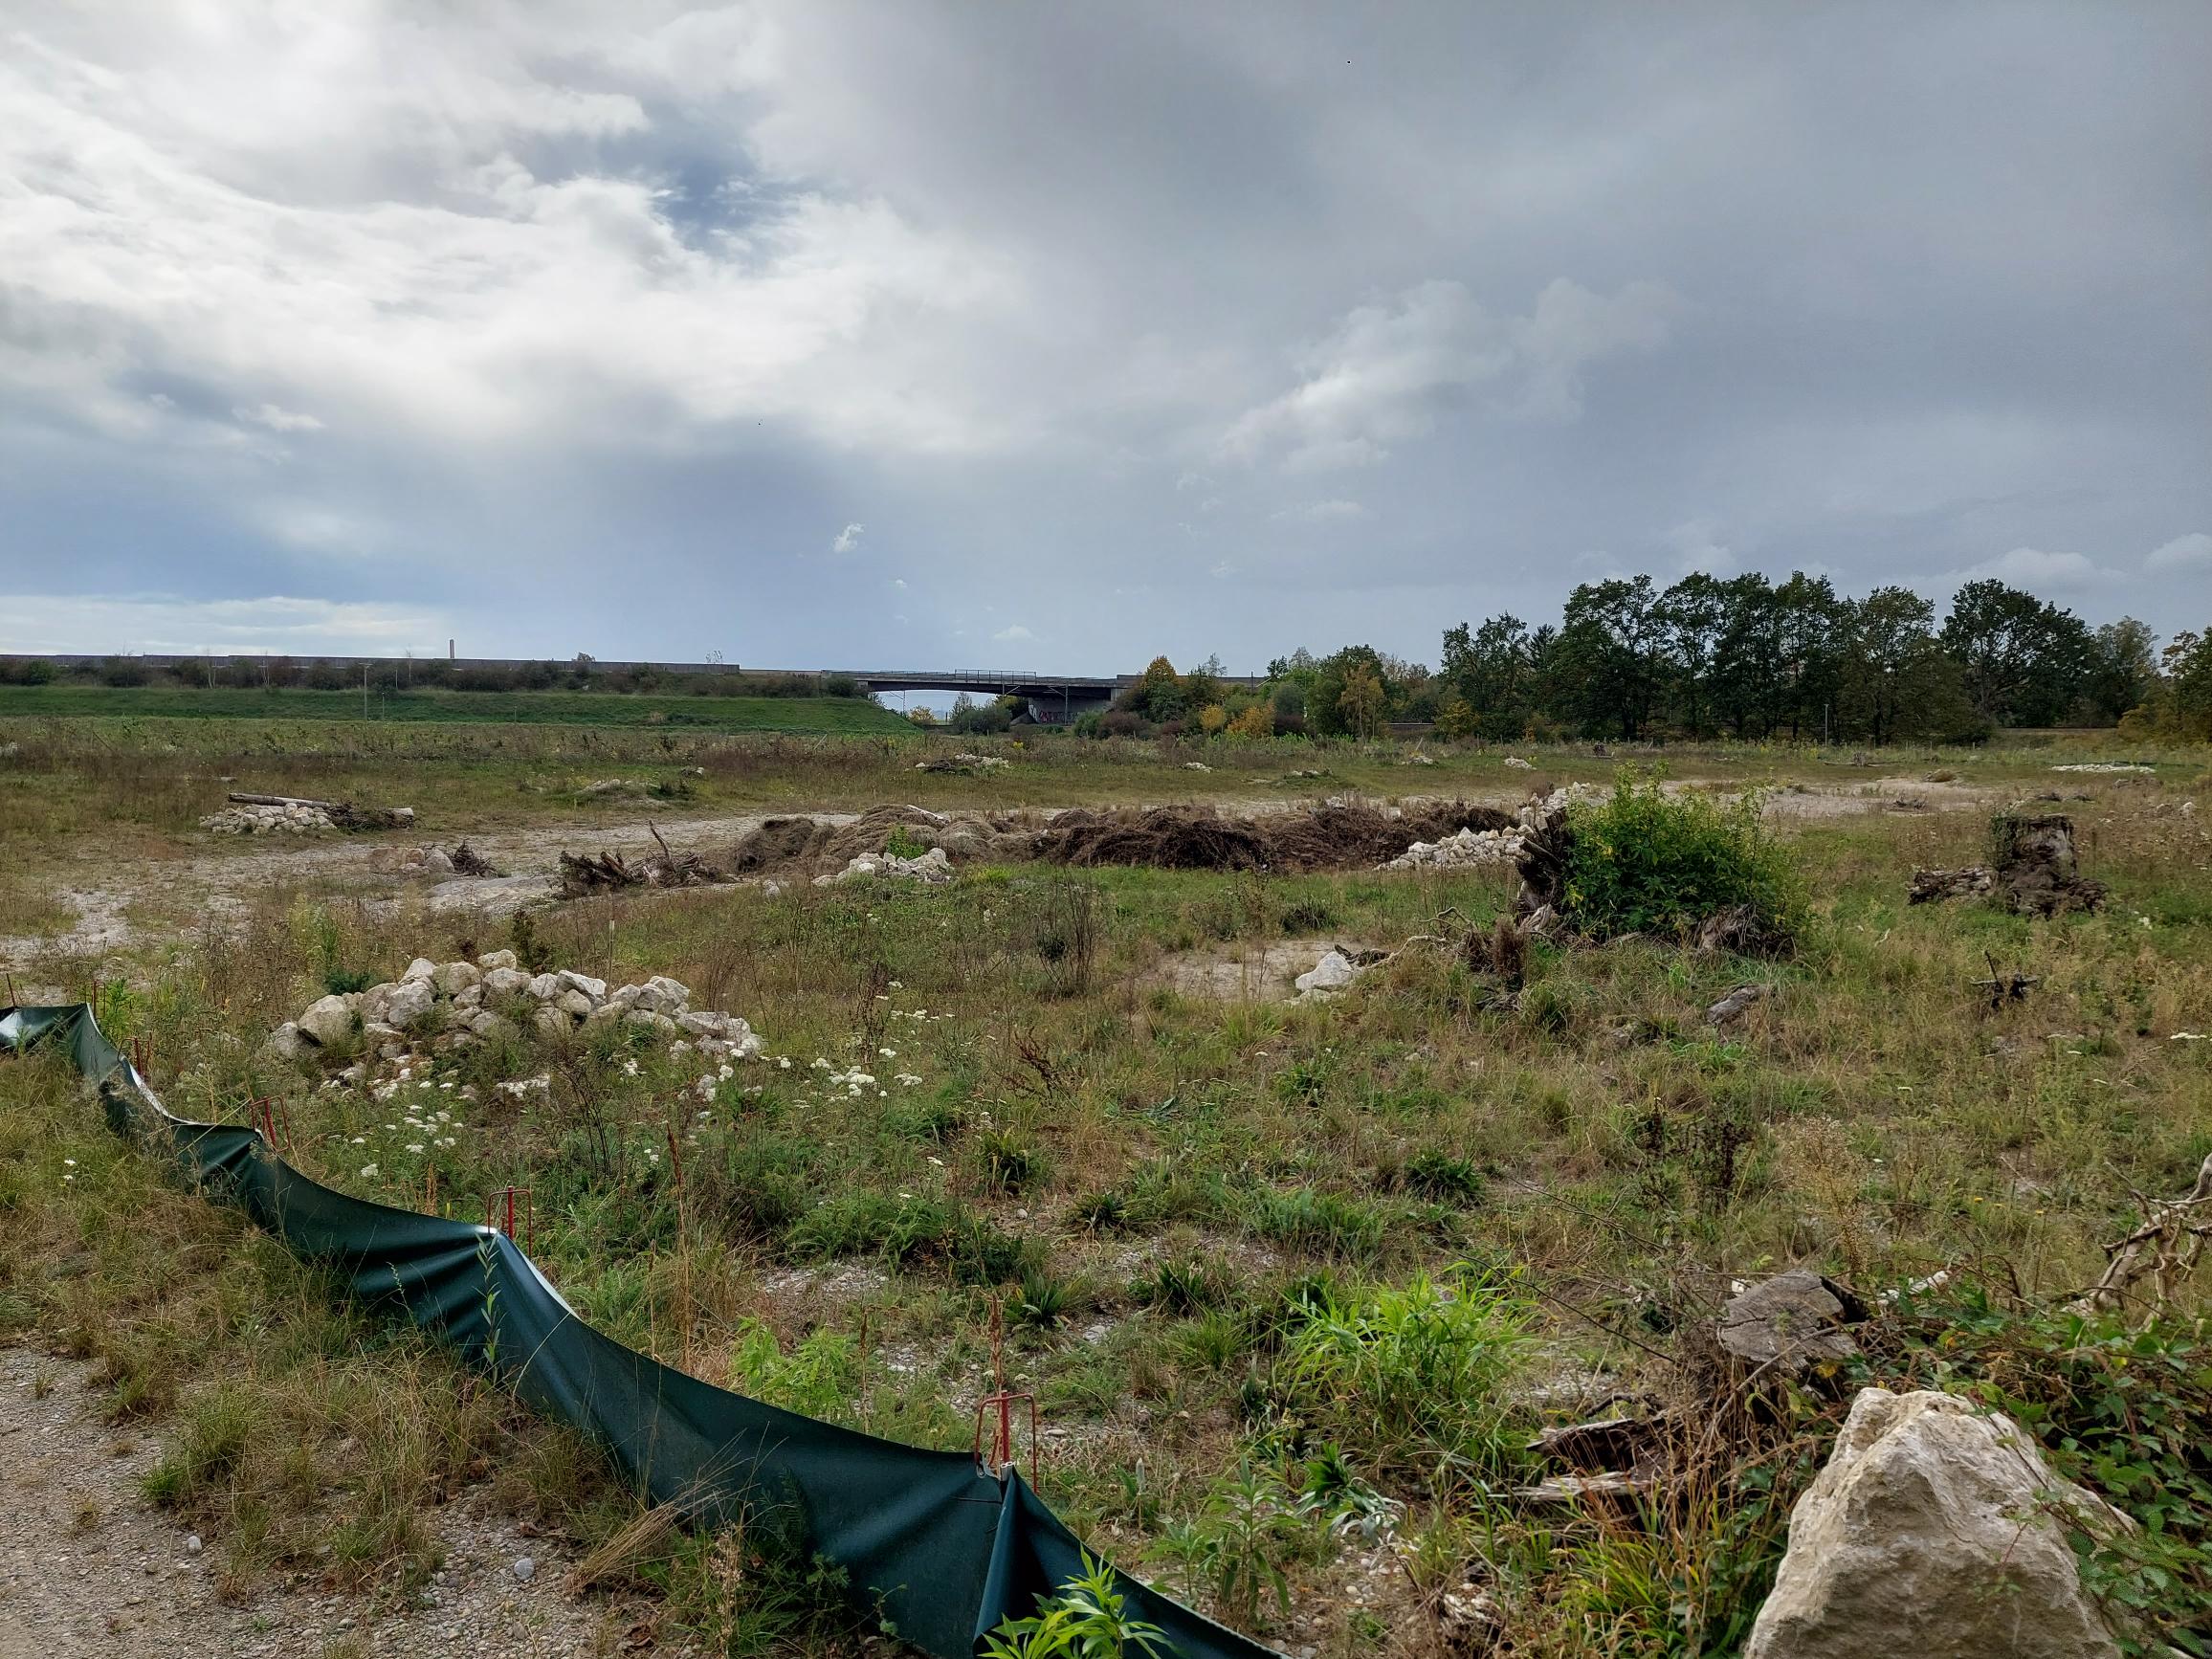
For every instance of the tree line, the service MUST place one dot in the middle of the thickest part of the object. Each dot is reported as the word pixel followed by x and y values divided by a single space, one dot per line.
pixel 1710 656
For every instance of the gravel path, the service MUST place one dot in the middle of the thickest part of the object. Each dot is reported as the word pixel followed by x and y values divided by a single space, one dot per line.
pixel 88 1571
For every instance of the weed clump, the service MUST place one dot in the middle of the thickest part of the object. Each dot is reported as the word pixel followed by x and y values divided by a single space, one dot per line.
pixel 1675 865
pixel 1418 1368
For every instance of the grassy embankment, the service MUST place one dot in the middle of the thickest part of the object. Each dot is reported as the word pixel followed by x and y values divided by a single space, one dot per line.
pixel 819 715
pixel 1210 1225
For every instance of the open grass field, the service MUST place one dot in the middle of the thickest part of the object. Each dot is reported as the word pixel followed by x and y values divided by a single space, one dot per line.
pixel 842 715
pixel 1294 1281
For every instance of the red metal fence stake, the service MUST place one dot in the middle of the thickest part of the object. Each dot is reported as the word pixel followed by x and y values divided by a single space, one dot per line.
pixel 1002 1400
pixel 501 1203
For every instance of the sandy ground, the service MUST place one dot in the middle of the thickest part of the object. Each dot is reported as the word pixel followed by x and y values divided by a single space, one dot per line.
pixel 88 1571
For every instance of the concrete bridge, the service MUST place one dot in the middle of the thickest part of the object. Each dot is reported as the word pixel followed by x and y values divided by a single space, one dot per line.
pixel 1053 698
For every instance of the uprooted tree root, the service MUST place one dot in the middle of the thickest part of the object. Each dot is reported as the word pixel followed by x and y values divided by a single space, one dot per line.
pixel 582 875
pixel 2032 870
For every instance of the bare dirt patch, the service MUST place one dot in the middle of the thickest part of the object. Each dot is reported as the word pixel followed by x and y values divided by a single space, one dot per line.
pixel 89 1571
pixel 1245 972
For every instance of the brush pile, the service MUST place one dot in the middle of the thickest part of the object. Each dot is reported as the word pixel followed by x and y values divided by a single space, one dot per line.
pixel 582 875
pixel 827 846
pixel 1339 835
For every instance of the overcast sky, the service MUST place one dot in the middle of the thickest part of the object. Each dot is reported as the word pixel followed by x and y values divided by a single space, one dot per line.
pixel 908 335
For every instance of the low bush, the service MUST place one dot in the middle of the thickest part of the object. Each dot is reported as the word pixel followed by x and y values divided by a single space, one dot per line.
pixel 1645 861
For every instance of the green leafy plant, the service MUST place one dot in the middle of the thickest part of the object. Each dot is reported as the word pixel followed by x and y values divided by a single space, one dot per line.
pixel 2121 1412
pixel 1240 1544
pixel 818 1377
pixel 1089 1619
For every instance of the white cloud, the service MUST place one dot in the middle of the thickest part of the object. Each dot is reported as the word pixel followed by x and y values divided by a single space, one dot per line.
pixel 847 540
pixel 164 624
pixel 371 240
pixel 1696 546
pixel 1013 631
pixel 2181 553
pixel 1389 371
pixel 2039 571
pixel 277 419
pixel 899 582
pixel 1319 512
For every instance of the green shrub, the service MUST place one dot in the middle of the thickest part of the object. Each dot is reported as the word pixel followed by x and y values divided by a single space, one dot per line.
pixel 1089 1619
pixel 1645 861
pixel 1183 1286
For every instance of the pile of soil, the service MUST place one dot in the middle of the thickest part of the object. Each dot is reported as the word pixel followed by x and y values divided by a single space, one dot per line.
pixel 813 846
pixel 1336 836
pixel 1330 837
pixel 1164 838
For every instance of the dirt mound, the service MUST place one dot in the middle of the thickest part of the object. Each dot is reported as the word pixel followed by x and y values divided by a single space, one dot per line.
pixel 1353 836
pixel 1336 836
pixel 779 843
pixel 813 846
pixel 1164 838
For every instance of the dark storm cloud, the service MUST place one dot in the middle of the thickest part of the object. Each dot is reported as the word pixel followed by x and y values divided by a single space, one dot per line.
pixel 1115 329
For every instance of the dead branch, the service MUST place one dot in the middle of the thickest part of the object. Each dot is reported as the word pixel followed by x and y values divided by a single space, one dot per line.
pixel 2162 1251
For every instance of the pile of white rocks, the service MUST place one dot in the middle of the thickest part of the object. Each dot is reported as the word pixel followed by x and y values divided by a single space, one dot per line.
pixel 457 1003
pixel 293 819
pixel 1461 851
pixel 932 869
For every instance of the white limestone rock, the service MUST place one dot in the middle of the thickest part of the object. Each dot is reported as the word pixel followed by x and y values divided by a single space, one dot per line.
pixel 452 978
pixel 1931 1532
pixel 327 1020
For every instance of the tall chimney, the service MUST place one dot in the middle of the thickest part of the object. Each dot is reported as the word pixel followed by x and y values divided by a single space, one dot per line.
pixel 449 651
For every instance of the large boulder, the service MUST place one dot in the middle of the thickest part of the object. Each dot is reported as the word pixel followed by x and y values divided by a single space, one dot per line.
pixel 285 1043
pixel 410 1002
pixel 673 994
pixel 571 980
pixel 506 982
pixel 1331 973
pixel 327 1020
pixel 452 978
pixel 1930 1534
